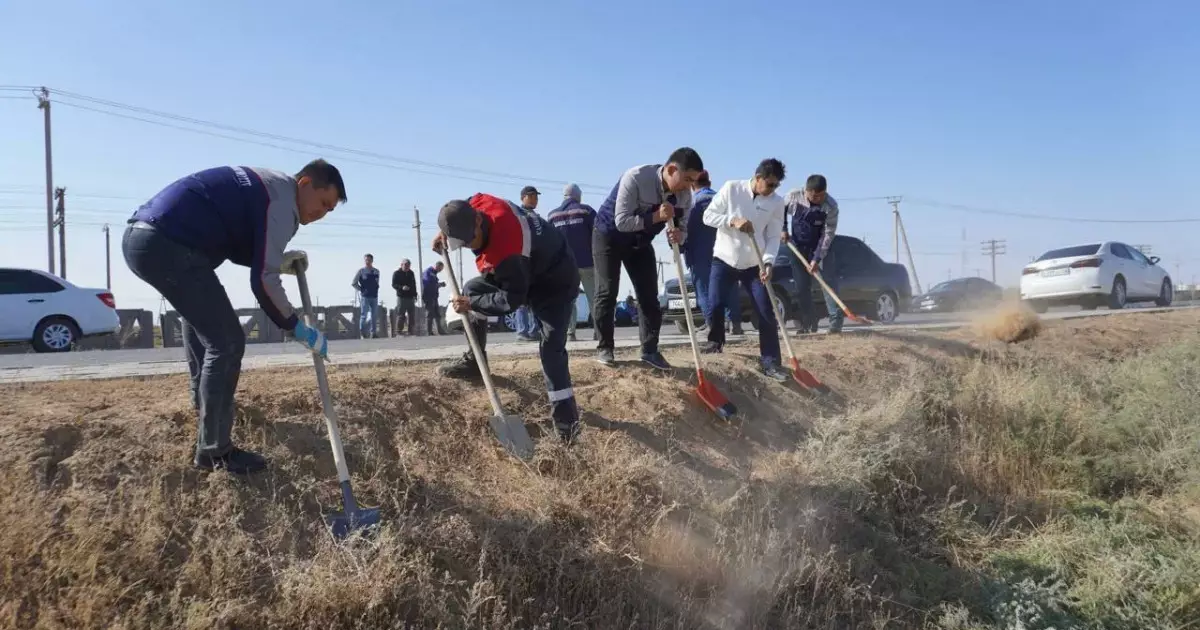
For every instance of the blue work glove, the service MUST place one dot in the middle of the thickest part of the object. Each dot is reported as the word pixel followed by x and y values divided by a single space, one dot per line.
pixel 312 339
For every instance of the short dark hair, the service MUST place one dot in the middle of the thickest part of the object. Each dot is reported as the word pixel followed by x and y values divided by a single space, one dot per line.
pixel 816 183
pixel 687 159
pixel 369 256
pixel 770 167
pixel 323 175
pixel 703 180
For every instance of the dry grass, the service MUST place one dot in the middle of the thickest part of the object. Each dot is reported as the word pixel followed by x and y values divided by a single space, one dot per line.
pixel 1011 322
pixel 948 483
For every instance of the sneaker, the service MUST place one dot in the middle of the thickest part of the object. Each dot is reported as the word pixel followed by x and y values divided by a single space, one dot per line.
pixel 737 330
pixel 568 432
pixel 771 370
pixel 606 357
pixel 711 347
pixel 465 367
pixel 236 461
pixel 656 361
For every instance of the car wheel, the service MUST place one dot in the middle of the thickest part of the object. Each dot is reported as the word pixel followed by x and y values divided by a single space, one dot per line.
pixel 1166 294
pixel 1118 297
pixel 55 334
pixel 510 322
pixel 1036 307
pixel 884 309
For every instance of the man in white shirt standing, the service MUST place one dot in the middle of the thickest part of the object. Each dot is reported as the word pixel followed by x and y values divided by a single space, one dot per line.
pixel 747 209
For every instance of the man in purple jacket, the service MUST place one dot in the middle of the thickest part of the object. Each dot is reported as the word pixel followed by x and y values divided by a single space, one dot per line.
pixel 576 220
pixel 176 241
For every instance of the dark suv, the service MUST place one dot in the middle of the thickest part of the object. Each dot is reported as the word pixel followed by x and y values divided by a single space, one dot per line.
pixel 867 284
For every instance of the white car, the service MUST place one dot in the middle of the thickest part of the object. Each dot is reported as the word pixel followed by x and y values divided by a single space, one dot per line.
pixel 51 313
pixel 1111 273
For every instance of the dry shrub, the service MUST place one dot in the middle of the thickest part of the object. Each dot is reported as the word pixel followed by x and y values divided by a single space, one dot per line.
pixel 1010 323
pixel 919 494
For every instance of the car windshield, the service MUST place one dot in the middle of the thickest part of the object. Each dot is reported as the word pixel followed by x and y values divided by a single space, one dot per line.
pixel 1070 252
pixel 944 287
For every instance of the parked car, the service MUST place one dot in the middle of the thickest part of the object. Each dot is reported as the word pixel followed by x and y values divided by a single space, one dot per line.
pixel 959 294
pixel 867 284
pixel 51 313
pixel 1109 273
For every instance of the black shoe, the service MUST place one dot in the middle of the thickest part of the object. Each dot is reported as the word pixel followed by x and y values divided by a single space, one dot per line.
pixel 568 432
pixel 572 337
pixel 771 370
pixel 738 330
pixel 656 361
pixel 711 348
pixel 236 461
pixel 606 357
pixel 465 367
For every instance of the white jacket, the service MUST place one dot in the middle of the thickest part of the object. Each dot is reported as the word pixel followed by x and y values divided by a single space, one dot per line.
pixel 736 199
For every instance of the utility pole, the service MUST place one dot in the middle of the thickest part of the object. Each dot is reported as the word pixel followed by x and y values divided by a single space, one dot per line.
pixel 460 271
pixel 107 259
pixel 420 263
pixel 44 105
pixel 61 221
pixel 901 234
pixel 994 248
pixel 964 251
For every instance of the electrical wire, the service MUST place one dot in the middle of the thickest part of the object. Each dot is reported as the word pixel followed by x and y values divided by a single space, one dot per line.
pixel 1044 217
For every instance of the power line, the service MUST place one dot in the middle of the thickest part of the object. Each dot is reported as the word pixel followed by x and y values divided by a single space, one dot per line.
pixel 1044 217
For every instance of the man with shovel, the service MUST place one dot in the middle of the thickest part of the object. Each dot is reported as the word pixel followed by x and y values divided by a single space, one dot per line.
pixel 747 209
pixel 522 260
pixel 814 223
pixel 176 241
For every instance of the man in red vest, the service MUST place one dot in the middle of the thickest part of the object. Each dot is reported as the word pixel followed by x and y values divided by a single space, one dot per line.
pixel 523 260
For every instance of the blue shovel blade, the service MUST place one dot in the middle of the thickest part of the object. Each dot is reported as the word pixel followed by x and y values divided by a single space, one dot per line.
pixel 342 524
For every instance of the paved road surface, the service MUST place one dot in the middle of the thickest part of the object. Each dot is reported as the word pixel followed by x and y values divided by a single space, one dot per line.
pixel 119 363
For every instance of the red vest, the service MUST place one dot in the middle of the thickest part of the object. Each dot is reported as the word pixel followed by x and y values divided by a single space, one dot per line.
pixel 509 233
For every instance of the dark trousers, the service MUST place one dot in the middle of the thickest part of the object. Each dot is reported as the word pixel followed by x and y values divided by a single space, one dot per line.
pixel 803 292
pixel 723 277
pixel 701 271
pixel 213 338
pixel 642 266
pixel 406 316
pixel 554 315
pixel 433 315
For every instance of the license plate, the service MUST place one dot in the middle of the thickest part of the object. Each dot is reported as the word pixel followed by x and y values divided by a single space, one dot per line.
pixel 674 304
pixel 1050 273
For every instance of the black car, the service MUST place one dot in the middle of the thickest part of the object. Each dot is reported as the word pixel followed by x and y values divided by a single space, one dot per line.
pixel 959 294
pixel 867 284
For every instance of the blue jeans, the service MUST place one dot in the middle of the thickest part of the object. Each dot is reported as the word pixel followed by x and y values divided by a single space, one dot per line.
pixel 724 277
pixel 803 294
pixel 213 339
pixel 367 312
pixel 700 272
pixel 527 323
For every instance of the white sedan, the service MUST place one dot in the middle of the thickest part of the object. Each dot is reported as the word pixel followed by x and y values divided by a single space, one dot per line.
pixel 51 313
pixel 1111 273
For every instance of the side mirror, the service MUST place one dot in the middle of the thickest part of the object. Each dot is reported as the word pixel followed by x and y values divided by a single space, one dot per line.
pixel 1154 260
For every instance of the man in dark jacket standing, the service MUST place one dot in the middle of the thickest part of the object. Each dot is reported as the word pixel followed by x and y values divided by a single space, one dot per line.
pixel 404 281
pixel 576 220
pixel 648 199
pixel 522 260
pixel 366 282
pixel 698 256
pixel 813 226
pixel 176 241
pixel 429 299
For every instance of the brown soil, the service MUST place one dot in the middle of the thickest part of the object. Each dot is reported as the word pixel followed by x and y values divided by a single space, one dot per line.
pixel 105 524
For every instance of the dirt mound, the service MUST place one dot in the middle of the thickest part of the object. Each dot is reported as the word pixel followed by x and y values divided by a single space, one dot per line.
pixel 805 511
pixel 1010 323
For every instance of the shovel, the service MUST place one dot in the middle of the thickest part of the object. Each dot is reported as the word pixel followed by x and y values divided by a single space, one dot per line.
pixel 802 376
pixel 816 274
pixel 352 518
pixel 709 395
pixel 510 430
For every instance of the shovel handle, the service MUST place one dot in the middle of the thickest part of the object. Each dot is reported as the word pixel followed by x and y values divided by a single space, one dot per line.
pixel 816 274
pixel 466 320
pixel 687 307
pixel 335 439
pixel 771 294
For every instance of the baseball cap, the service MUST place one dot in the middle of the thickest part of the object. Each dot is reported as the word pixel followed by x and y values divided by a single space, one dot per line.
pixel 573 191
pixel 529 190
pixel 456 220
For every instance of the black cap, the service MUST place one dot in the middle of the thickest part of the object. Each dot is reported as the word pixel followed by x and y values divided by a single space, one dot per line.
pixel 529 190
pixel 456 220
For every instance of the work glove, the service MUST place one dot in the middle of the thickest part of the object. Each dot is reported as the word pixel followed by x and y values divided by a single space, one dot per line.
pixel 312 339
pixel 292 259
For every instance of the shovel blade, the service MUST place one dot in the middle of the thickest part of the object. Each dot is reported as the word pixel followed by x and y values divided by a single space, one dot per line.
pixel 511 432
pixel 343 524
pixel 714 399
pixel 806 378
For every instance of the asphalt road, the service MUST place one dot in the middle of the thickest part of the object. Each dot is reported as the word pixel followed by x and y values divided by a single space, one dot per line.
pixel 353 346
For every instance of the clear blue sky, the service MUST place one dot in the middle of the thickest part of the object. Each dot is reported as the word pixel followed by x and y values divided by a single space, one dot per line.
pixel 1070 108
